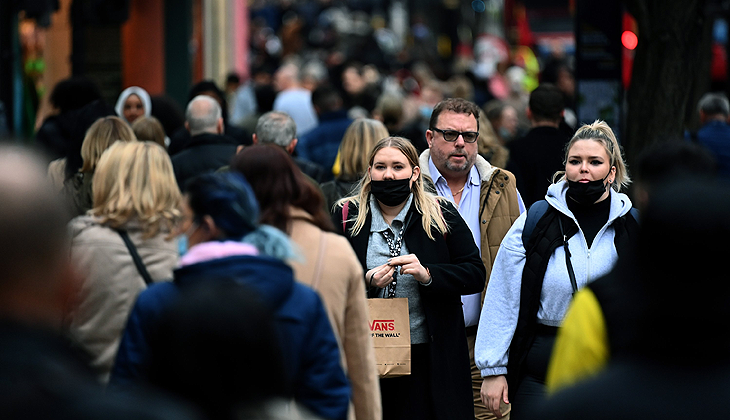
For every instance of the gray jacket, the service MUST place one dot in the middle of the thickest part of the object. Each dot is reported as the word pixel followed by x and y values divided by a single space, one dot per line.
pixel 502 302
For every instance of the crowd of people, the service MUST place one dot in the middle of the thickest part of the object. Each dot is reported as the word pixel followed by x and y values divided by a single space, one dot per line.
pixel 218 263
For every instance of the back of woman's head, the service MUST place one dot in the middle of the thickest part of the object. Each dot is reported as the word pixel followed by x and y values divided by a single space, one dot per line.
pixel 279 184
pixel 228 199
pixel 135 180
pixel 149 129
pixel 357 143
pixel 99 137
pixel 488 144
pixel 84 118
pixel 390 109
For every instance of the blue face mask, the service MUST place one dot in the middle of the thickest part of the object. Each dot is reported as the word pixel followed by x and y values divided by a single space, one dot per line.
pixel 182 240
pixel 505 134
pixel 182 244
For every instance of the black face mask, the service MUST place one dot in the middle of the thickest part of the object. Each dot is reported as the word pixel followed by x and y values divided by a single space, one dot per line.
pixel 391 192
pixel 586 193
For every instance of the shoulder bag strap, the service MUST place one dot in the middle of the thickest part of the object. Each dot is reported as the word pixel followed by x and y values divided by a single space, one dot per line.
pixel 135 256
pixel 345 211
pixel 320 258
pixel 534 214
pixel 571 273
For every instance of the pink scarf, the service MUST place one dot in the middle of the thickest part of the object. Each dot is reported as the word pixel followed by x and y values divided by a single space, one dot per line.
pixel 214 250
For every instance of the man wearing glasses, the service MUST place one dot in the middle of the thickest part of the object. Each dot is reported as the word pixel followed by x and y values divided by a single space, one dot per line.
pixel 486 197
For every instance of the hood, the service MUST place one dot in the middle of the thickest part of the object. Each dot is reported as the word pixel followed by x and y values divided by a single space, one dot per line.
pixel 620 203
pixel 484 168
pixel 134 90
pixel 269 277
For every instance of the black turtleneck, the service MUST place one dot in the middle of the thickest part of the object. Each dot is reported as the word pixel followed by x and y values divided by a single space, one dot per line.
pixel 591 218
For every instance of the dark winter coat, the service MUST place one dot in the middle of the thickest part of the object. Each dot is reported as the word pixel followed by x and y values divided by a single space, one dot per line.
pixel 534 159
pixel 204 154
pixel 311 355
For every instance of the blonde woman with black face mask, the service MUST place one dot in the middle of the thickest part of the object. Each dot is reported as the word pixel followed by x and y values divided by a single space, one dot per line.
pixel 415 245
pixel 559 245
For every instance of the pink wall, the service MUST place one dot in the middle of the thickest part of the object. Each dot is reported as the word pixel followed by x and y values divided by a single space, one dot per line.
pixel 240 37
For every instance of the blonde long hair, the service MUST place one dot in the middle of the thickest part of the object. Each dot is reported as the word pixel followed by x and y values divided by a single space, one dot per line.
pixel 600 131
pixel 357 141
pixel 135 180
pixel 426 203
pixel 488 144
pixel 102 133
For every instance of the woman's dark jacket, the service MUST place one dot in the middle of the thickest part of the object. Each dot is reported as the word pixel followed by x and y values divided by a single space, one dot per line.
pixel 457 269
pixel 311 355
pixel 336 189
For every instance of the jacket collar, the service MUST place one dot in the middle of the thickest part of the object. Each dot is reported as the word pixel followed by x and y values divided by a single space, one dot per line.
pixel 209 138
pixel 484 168
pixel 271 278
pixel 340 114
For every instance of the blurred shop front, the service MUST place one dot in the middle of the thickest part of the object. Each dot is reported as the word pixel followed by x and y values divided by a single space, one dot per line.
pixel 161 46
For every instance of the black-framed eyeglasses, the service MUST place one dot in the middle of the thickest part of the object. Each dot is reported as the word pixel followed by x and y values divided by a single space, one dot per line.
pixel 452 135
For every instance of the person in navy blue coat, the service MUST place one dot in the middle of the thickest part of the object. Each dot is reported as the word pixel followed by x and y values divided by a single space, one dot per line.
pixel 714 135
pixel 226 244
pixel 320 145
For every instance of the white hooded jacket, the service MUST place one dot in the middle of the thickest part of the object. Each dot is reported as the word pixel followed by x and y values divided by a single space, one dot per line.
pixel 502 302
pixel 133 90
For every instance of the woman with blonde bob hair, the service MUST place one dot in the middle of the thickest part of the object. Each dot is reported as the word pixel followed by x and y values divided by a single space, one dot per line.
pixel 351 163
pixel 415 245
pixel 136 208
pixel 99 137
pixel 559 245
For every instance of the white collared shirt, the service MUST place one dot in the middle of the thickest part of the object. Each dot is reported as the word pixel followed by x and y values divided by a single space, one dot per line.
pixel 468 207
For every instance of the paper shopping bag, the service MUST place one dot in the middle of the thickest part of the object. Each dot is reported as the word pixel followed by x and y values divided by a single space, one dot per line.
pixel 391 331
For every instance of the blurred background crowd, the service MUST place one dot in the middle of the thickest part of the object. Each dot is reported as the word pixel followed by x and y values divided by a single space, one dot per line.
pixel 209 151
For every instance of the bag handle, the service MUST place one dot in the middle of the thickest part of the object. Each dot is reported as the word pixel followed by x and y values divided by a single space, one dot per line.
pixel 571 273
pixel 135 257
